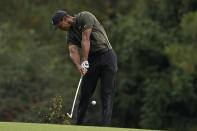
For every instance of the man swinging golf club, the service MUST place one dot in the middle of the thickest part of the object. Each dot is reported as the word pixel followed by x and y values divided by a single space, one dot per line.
pixel 98 59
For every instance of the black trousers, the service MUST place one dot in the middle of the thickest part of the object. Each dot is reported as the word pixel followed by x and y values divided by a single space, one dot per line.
pixel 104 67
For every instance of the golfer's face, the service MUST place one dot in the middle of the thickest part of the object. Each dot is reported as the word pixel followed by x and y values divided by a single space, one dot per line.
pixel 64 24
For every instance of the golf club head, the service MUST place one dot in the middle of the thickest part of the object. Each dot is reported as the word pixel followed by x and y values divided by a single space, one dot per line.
pixel 70 116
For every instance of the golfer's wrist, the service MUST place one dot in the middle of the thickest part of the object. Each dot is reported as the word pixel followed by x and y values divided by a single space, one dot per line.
pixel 78 65
pixel 85 59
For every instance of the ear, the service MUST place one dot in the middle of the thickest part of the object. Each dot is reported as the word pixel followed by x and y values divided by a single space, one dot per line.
pixel 64 18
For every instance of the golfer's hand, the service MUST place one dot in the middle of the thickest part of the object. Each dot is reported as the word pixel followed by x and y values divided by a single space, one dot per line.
pixel 82 70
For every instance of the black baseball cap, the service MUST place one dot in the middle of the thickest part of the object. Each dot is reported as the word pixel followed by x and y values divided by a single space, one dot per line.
pixel 57 18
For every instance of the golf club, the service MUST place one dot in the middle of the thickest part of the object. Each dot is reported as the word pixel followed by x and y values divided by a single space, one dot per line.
pixel 71 114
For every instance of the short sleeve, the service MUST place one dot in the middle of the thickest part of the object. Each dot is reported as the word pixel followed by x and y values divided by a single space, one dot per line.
pixel 69 39
pixel 87 21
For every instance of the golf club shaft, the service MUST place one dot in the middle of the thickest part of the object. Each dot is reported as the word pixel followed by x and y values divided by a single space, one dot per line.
pixel 76 96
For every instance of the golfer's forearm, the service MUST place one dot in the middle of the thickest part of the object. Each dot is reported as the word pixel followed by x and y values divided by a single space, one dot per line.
pixel 85 44
pixel 74 55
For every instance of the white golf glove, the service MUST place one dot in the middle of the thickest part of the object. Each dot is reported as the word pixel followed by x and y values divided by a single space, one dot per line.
pixel 85 65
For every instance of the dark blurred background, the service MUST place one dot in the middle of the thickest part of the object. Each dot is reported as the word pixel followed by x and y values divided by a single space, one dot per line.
pixel 155 42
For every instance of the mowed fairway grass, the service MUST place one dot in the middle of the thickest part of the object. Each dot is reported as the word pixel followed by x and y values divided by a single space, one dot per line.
pixel 14 126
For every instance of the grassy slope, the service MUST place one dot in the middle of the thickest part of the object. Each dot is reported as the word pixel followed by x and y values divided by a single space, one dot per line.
pixel 12 126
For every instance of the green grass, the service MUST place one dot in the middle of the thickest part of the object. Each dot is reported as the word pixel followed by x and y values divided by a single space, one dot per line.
pixel 13 126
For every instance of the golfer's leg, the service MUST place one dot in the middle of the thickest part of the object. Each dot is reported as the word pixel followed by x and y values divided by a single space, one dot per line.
pixel 107 93
pixel 108 76
pixel 87 88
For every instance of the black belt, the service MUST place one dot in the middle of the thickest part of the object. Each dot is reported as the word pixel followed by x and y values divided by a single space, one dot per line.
pixel 99 52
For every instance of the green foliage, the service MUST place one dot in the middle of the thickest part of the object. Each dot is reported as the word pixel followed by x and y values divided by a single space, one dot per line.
pixel 55 113
pixel 150 65
pixel 173 101
pixel 189 25
pixel 168 12
pixel 139 47
pixel 30 72
pixel 177 54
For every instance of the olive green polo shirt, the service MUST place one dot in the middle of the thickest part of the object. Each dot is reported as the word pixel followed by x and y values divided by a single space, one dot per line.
pixel 98 37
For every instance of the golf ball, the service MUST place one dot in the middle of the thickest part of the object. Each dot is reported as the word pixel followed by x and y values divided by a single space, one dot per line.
pixel 93 102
